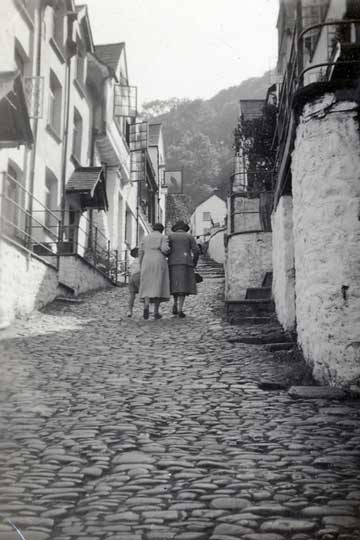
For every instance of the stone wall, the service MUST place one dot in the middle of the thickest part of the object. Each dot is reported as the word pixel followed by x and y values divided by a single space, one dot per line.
pixel 26 283
pixel 283 263
pixel 76 273
pixel 248 258
pixel 326 198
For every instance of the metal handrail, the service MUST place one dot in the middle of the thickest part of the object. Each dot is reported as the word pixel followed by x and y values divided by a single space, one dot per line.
pixel 294 79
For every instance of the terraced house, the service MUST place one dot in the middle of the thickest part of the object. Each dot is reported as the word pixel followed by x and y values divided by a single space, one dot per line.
pixel 316 184
pixel 78 186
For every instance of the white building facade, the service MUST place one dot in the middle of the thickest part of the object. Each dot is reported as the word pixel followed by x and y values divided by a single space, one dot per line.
pixel 208 215
pixel 70 210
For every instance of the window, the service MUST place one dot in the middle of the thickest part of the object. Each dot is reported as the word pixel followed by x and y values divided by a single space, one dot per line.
pixel 80 63
pixel 51 199
pixel 57 27
pixel 128 227
pixel 14 203
pixel 77 136
pixel 55 99
pixel 206 216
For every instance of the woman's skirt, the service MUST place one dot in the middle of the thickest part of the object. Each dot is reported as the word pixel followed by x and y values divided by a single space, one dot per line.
pixel 182 279
pixel 154 277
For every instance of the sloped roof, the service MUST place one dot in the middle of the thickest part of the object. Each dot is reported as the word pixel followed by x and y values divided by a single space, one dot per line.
pixel 84 179
pixel 213 194
pixel 109 54
pixel 251 108
pixel 154 134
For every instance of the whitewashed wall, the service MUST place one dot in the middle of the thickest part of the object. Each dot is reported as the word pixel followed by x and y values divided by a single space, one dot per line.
pixel 326 198
pixel 26 283
pixel 248 258
pixel 283 287
pixel 216 249
pixel 80 276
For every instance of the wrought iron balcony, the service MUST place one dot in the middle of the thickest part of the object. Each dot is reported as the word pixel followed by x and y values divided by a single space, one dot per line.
pixel 323 52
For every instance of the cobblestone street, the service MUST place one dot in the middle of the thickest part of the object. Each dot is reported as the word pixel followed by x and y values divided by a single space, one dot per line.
pixel 125 429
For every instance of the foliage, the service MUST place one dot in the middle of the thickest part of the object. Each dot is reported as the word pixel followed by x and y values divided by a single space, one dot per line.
pixel 198 135
pixel 178 207
pixel 255 137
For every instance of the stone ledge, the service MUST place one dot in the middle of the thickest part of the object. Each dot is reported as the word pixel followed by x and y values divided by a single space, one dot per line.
pixel 317 392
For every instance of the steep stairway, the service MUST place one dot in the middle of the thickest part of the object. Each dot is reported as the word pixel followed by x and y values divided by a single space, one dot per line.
pixel 207 267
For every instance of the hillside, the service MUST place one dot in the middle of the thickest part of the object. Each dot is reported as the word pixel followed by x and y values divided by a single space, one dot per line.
pixel 199 134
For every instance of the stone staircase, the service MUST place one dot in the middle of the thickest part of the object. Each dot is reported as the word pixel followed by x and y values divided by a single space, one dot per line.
pixel 256 308
pixel 208 268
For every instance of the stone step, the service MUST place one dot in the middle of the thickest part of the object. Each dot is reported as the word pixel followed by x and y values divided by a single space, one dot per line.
pixel 249 320
pixel 256 293
pixel 262 340
pixel 250 307
pixel 282 346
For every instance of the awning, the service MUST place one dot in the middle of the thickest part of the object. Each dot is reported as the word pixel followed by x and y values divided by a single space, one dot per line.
pixel 88 184
pixel 15 128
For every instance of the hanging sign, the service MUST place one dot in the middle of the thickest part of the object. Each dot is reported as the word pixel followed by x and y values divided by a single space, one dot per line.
pixel 173 180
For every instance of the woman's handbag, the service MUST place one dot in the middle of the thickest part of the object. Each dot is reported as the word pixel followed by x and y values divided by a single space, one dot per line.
pixel 198 278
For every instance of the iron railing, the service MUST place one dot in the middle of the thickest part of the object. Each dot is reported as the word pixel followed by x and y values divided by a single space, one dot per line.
pixel 25 229
pixel 43 232
pixel 328 42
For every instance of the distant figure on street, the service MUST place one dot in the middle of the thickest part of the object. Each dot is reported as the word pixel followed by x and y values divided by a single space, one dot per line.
pixel 134 279
pixel 154 272
pixel 182 260
pixel 199 245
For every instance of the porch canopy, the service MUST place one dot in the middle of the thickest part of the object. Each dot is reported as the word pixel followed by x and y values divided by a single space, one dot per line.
pixel 15 128
pixel 88 186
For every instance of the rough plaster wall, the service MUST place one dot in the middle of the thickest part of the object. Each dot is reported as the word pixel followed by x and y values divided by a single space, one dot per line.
pixel 81 277
pixel 216 249
pixel 26 283
pixel 283 287
pixel 248 258
pixel 326 197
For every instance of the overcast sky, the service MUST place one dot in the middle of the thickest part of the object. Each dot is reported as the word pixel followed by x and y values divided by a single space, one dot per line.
pixel 188 48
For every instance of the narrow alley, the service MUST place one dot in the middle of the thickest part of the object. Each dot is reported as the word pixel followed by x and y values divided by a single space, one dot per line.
pixel 125 429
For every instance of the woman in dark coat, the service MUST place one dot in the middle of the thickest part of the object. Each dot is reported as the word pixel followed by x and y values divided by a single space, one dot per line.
pixel 182 260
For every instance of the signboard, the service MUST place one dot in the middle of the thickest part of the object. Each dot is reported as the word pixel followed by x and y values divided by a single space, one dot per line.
pixel 125 101
pixel 173 180
pixel 139 136
pixel 137 166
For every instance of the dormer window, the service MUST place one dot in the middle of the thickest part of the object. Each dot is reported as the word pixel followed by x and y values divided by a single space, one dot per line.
pixel 80 62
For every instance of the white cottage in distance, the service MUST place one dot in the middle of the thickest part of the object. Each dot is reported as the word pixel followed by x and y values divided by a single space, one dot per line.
pixel 207 215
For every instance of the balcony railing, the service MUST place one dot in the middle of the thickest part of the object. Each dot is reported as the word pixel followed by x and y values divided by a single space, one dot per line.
pixel 334 55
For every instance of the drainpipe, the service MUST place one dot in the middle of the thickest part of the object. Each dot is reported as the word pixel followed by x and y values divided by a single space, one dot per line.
pixel 39 15
pixel 70 52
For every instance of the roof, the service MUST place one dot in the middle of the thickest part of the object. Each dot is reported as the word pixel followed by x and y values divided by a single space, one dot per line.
pixel 89 184
pixel 84 179
pixel 251 108
pixel 110 53
pixel 209 197
pixel 154 134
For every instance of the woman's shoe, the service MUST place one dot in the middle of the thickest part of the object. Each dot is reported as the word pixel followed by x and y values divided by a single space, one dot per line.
pixel 181 315
pixel 129 314
pixel 175 310
pixel 157 316
pixel 146 313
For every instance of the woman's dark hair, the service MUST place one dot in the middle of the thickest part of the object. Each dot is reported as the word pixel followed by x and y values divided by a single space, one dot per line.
pixel 158 227
pixel 134 252
pixel 180 226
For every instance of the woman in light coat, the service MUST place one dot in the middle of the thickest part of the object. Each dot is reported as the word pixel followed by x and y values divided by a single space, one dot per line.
pixel 154 272
pixel 182 260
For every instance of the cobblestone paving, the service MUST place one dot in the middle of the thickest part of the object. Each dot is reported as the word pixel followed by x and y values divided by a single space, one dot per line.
pixel 118 429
